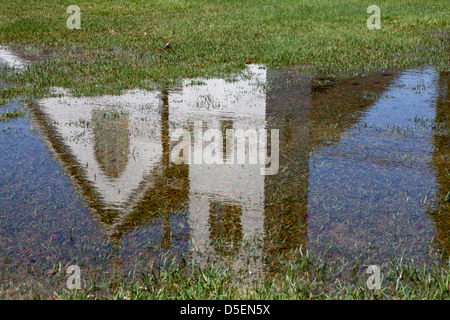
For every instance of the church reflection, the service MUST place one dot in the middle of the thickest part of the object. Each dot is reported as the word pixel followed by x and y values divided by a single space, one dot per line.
pixel 307 119
pixel 225 228
pixel 117 152
pixel 111 142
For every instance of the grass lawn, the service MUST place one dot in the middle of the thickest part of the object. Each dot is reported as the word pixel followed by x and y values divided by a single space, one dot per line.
pixel 121 44
pixel 299 276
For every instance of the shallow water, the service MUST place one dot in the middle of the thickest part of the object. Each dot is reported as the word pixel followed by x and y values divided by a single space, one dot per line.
pixel 380 180
pixel 363 167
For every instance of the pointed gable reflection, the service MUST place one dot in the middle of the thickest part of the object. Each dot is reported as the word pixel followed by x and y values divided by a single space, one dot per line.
pixel 304 112
pixel 116 140
pixel 118 149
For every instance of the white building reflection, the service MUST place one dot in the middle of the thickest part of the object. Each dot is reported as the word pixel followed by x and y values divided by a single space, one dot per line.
pixel 117 151
pixel 120 145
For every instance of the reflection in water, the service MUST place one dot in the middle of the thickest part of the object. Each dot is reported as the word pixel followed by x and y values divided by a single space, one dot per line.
pixel 357 163
pixel 111 141
pixel 120 147
pixel 225 227
pixel 81 129
pixel 11 60
pixel 371 186
pixel 441 163
pixel 288 104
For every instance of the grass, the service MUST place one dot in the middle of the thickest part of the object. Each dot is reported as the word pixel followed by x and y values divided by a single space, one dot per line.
pixel 121 45
pixel 9 115
pixel 302 276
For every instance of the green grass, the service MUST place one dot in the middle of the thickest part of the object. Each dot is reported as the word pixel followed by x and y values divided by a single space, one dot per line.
pixel 302 276
pixel 121 44
pixel 9 115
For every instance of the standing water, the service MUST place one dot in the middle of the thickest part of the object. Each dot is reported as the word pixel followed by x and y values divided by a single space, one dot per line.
pixel 362 168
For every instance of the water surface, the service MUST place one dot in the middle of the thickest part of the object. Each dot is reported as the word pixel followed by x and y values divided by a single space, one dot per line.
pixel 363 167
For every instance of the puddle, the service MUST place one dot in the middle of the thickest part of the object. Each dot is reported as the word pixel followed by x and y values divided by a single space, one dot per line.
pixel 363 166
pixel 19 60
pixel 377 185
pixel 119 149
pixel 9 59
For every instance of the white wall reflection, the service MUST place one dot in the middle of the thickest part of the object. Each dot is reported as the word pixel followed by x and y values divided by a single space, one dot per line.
pixel 76 121
pixel 9 59
pixel 118 141
pixel 219 104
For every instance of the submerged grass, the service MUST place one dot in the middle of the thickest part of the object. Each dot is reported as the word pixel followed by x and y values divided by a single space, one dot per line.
pixel 201 276
pixel 121 45
pixel 9 115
